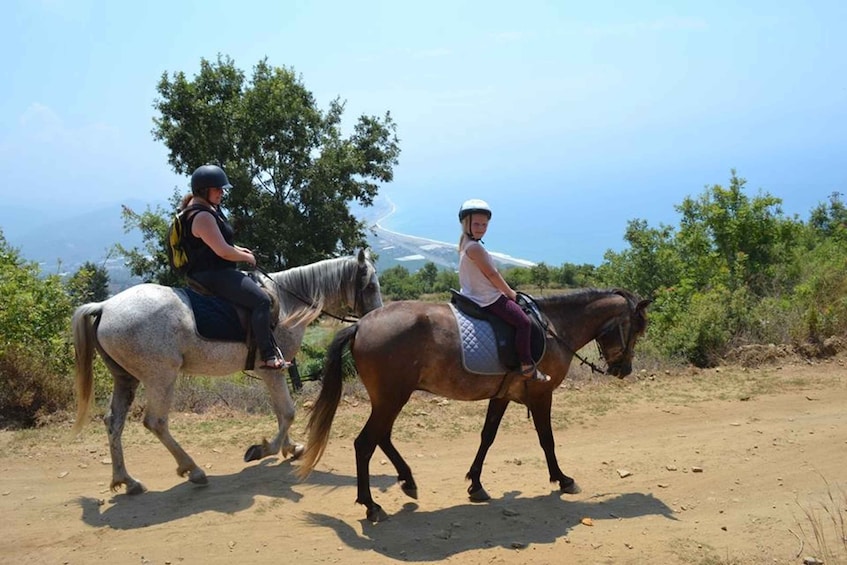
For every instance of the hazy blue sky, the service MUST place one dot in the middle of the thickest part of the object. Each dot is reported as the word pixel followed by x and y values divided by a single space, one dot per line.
pixel 600 112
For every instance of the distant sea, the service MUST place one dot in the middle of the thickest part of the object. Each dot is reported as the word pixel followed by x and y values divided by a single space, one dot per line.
pixel 521 228
pixel 576 219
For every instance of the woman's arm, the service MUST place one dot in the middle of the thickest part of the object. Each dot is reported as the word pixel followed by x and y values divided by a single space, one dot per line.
pixel 206 228
pixel 482 259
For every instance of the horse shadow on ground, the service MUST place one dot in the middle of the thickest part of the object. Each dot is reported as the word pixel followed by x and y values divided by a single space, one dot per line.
pixel 227 494
pixel 511 522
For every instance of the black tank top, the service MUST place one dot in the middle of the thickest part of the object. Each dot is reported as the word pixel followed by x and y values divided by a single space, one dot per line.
pixel 200 256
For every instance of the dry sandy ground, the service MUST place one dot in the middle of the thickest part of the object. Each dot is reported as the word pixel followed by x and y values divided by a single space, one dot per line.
pixel 722 467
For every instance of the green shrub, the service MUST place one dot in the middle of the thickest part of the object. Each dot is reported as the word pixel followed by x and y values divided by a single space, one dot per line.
pixel 31 393
pixel 35 355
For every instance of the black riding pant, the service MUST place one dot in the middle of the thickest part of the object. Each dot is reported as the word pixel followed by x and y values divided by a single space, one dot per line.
pixel 240 289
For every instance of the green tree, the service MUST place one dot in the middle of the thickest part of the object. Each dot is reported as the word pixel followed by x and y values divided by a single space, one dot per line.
pixel 570 275
pixel 517 277
pixel 397 283
pixel 446 280
pixel 427 276
pixel 652 261
pixel 741 240
pixel 90 283
pixel 294 173
pixel 150 262
pixel 830 220
pixel 34 310
pixel 540 276
pixel 35 358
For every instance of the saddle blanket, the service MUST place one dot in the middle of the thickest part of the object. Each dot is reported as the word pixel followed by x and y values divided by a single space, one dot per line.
pixel 479 345
pixel 215 318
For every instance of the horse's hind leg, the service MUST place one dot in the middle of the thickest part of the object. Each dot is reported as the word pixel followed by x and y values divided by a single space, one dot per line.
pixel 493 417
pixel 377 429
pixel 404 472
pixel 156 420
pixel 123 394
pixel 284 409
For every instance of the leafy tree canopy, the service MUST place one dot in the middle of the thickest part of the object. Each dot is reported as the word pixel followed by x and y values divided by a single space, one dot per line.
pixel 295 173
pixel 35 309
pixel 90 283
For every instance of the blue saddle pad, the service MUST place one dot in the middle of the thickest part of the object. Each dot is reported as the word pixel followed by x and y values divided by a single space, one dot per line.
pixel 479 345
pixel 215 317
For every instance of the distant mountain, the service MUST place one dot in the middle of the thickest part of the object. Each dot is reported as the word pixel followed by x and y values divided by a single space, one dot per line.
pixel 51 238
pixel 62 241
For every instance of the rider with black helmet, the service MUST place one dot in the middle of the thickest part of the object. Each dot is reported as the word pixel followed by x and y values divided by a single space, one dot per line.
pixel 482 282
pixel 213 258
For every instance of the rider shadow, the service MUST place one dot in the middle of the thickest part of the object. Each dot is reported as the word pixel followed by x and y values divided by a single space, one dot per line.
pixel 227 494
pixel 511 522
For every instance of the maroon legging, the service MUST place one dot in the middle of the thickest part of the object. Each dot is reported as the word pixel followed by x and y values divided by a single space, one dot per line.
pixel 511 313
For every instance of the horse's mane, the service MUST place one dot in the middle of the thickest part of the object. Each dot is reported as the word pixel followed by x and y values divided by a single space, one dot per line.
pixel 308 286
pixel 583 296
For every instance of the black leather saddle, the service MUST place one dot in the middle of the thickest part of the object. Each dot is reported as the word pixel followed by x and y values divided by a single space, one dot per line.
pixel 505 333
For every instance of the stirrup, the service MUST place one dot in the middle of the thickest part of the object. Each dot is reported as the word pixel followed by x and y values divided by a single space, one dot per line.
pixel 275 364
pixel 534 375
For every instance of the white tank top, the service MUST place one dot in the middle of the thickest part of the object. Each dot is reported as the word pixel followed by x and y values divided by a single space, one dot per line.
pixel 474 284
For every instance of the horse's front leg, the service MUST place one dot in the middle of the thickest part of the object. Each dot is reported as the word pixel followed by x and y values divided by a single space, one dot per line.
pixel 283 407
pixel 493 417
pixel 540 410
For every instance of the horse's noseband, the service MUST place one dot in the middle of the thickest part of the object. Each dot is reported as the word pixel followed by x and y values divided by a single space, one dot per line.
pixel 616 324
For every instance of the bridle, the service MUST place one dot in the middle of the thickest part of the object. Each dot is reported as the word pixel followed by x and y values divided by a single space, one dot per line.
pixel 615 324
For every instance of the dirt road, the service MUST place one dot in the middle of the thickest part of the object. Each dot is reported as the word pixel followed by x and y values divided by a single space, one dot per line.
pixel 703 467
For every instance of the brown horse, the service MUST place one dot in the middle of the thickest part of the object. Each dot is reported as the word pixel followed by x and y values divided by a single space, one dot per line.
pixel 409 345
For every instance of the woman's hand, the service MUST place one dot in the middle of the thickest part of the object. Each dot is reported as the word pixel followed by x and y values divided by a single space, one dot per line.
pixel 251 259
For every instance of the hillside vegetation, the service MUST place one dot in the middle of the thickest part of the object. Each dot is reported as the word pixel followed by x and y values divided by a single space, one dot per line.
pixel 734 272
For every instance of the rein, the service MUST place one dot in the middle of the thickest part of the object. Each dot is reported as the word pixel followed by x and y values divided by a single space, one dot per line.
pixel 551 331
pixel 583 361
pixel 311 304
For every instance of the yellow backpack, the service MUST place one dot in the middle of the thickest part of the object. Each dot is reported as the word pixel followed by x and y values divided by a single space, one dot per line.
pixel 176 248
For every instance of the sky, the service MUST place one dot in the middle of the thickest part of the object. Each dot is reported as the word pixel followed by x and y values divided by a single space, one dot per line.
pixel 570 118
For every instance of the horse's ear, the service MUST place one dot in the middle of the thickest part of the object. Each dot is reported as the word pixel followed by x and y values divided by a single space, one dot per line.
pixel 362 256
pixel 644 304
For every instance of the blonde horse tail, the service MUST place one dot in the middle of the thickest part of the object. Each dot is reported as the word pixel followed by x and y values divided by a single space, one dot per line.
pixel 84 337
pixel 323 412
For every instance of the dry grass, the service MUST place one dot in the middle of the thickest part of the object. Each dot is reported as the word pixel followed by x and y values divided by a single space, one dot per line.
pixel 823 533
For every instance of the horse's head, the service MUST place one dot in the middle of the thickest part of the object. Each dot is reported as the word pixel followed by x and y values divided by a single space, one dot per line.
pixel 367 295
pixel 617 337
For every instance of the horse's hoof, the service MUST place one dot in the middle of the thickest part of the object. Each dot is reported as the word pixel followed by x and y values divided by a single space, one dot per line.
pixel 254 453
pixel 479 495
pixel 134 488
pixel 198 477
pixel 572 488
pixel 410 491
pixel 296 452
pixel 376 514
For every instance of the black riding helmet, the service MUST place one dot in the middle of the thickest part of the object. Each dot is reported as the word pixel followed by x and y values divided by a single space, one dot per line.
pixel 206 177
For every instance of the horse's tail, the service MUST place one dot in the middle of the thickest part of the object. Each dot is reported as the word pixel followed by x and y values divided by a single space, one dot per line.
pixel 84 337
pixel 320 421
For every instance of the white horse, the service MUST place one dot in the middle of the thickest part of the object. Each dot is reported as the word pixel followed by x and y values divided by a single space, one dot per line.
pixel 146 334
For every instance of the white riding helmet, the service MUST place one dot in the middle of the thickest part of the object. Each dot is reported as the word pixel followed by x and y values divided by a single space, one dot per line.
pixel 474 206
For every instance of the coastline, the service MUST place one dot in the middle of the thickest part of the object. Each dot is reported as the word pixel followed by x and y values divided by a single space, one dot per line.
pixel 414 251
